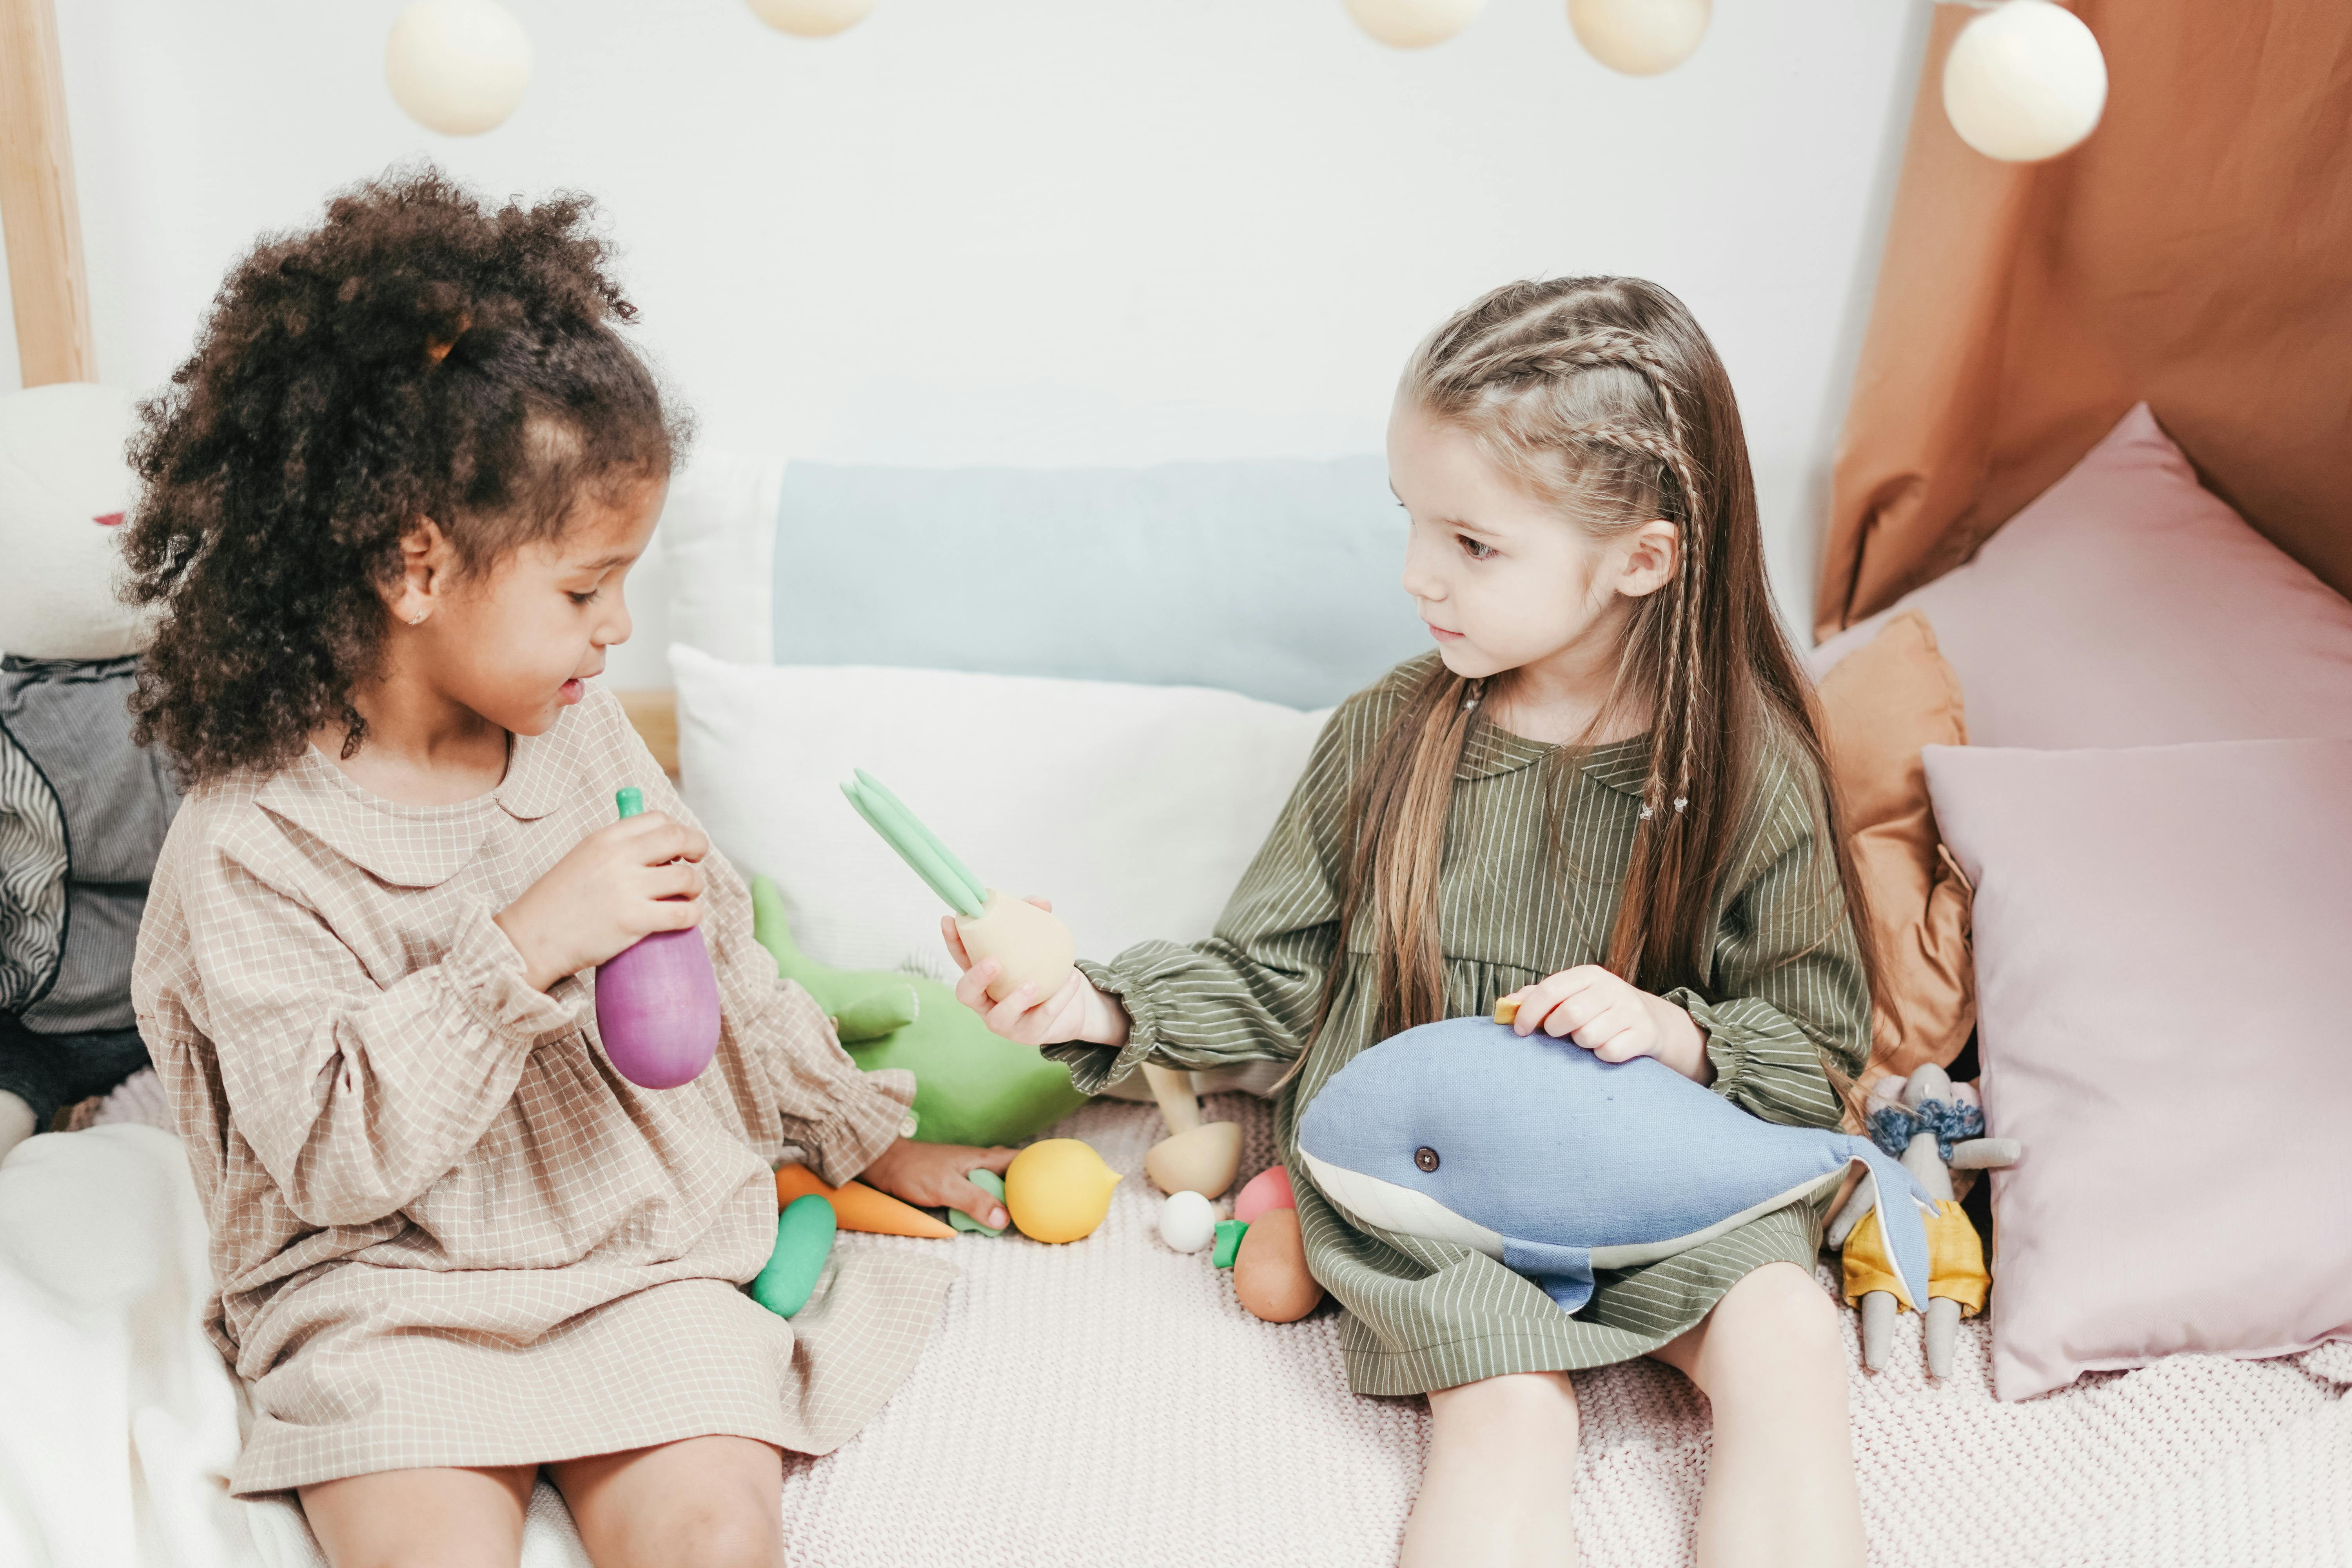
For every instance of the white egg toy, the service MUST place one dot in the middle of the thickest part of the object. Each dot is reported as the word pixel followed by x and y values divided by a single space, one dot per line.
pixel 1639 37
pixel 1188 1222
pixel 1413 24
pixel 2025 81
pixel 810 18
pixel 459 67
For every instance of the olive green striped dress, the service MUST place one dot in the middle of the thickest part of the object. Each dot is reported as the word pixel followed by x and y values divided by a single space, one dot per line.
pixel 1787 988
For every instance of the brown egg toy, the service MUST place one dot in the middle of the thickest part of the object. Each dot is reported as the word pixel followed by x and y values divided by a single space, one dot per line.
pixel 1270 1273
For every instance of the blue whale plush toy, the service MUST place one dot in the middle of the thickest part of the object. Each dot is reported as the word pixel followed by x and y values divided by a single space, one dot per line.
pixel 1554 1162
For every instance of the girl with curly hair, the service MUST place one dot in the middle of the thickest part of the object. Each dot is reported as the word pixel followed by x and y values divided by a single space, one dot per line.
pixel 390 506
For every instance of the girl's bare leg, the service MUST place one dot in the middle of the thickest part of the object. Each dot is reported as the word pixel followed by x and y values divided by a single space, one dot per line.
pixel 704 1502
pixel 1502 1461
pixel 1781 1485
pixel 461 1518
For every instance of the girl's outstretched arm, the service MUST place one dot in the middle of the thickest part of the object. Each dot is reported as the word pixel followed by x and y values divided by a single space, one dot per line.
pixel 1250 991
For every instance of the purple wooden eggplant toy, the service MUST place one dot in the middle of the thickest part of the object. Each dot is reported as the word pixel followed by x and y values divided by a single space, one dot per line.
pixel 657 1002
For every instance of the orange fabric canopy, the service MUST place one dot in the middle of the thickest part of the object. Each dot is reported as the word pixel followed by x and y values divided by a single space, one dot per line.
pixel 2195 253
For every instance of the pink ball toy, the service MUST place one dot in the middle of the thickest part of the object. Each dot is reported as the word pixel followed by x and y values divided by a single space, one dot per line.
pixel 657 1002
pixel 1269 1189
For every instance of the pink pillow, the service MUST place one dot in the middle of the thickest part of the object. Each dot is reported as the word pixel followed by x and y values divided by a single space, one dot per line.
pixel 2162 938
pixel 2129 607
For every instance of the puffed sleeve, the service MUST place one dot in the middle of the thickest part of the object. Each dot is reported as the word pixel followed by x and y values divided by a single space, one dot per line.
pixel 356 1097
pixel 1250 991
pixel 1788 990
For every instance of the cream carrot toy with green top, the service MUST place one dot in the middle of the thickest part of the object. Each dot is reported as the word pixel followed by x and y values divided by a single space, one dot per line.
pixel 1033 946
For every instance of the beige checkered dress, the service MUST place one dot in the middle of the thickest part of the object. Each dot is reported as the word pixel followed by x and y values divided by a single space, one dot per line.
pixel 445 1230
pixel 1786 990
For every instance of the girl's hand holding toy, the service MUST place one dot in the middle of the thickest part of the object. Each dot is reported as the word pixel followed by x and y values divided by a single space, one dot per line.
pixel 1610 1017
pixel 1015 956
pixel 617 885
pixel 658 1013
pixel 938 1176
pixel 1075 1012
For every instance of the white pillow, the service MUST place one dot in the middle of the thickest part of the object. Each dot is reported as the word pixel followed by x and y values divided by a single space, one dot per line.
pixel 718 534
pixel 1135 808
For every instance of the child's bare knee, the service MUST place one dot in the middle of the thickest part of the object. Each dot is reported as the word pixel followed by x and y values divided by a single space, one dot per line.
pixel 1512 1409
pixel 440 1551
pixel 735 1534
pixel 1778 1314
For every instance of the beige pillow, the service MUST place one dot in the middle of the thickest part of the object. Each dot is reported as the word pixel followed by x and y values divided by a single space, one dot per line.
pixel 1880 704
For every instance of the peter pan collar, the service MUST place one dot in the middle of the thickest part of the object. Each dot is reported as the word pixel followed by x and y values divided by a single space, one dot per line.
pixel 1491 752
pixel 418 845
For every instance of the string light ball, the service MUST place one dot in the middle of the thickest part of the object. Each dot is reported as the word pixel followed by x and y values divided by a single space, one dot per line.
pixel 459 67
pixel 1413 24
pixel 1639 37
pixel 810 18
pixel 2024 81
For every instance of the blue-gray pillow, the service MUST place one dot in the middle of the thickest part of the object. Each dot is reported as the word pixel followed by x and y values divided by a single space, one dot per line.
pixel 1275 579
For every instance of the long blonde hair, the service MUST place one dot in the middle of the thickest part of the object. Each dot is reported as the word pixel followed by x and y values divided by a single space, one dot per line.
pixel 1603 398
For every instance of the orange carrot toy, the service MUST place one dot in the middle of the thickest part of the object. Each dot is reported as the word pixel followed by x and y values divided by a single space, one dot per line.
pixel 858 1207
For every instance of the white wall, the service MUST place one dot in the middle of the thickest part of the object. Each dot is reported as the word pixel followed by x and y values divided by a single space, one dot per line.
pixel 1053 231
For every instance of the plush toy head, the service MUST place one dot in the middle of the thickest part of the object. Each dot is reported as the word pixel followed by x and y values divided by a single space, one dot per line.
pixel 65 487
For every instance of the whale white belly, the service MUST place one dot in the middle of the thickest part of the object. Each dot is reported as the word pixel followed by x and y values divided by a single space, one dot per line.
pixel 1385 1206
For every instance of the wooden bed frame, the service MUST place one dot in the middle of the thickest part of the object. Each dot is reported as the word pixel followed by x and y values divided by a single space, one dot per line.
pixel 655 713
pixel 46 283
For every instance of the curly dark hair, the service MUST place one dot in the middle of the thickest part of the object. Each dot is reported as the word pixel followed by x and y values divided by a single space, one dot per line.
pixel 418 354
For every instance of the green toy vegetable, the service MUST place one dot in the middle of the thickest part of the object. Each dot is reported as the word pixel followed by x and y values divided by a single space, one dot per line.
pixel 804 1241
pixel 988 1181
pixel 970 1085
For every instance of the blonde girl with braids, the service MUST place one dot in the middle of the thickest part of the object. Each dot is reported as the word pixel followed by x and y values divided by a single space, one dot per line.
pixel 1601 797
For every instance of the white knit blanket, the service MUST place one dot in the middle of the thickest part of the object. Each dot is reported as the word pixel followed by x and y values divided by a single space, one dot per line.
pixel 1107 1402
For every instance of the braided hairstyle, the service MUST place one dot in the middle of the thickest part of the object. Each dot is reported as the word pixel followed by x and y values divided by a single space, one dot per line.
pixel 1603 399
pixel 419 354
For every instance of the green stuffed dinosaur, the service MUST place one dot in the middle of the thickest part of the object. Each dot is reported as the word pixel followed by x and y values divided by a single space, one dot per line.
pixel 970 1086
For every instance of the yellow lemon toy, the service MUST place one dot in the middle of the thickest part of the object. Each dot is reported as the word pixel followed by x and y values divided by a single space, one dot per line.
pixel 1058 1190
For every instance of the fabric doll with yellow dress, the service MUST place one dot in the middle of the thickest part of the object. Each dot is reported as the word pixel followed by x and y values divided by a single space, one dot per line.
pixel 1933 1132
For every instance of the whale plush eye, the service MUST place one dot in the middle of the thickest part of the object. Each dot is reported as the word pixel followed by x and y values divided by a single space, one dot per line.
pixel 1425 1157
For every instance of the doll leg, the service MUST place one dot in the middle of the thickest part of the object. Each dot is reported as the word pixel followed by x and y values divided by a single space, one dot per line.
pixel 1502 1459
pixel 443 1518
pixel 703 1503
pixel 1781 1485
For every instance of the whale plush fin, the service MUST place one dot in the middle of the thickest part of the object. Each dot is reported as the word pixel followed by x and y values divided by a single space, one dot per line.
pixel 1901 1204
pixel 1562 1273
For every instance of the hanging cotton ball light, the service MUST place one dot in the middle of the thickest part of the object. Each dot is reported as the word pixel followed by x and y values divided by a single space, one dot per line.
pixel 2025 81
pixel 1639 37
pixel 1413 24
pixel 810 18
pixel 457 66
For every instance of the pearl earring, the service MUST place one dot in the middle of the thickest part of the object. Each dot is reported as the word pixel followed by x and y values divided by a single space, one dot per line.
pixel 417 619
